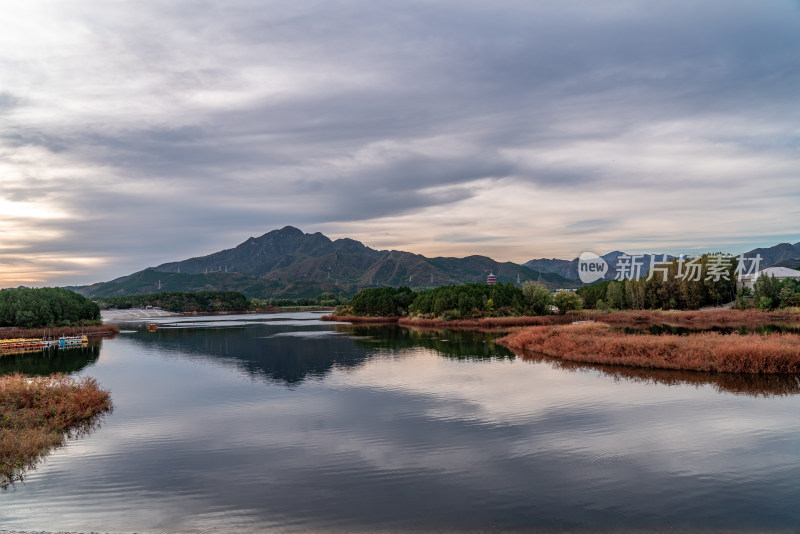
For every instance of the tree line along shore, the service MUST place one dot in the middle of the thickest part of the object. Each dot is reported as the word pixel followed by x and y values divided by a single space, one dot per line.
pixel 542 323
pixel 49 312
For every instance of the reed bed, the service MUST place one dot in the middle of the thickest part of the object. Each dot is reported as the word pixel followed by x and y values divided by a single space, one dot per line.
pixel 57 331
pixel 696 318
pixel 774 353
pixel 37 413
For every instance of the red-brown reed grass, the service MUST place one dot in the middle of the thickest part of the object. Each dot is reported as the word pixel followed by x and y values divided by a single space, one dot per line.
pixel 56 331
pixel 707 351
pixel 693 318
pixel 36 413
pixel 696 318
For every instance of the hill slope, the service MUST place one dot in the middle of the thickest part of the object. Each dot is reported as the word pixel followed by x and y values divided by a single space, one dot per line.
pixel 783 254
pixel 290 263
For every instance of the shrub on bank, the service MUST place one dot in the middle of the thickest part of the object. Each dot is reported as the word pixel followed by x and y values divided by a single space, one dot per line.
pixel 36 413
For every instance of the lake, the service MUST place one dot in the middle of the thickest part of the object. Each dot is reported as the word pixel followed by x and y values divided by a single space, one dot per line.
pixel 284 422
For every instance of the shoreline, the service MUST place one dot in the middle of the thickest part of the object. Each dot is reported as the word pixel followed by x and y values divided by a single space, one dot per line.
pixel 601 341
pixel 635 318
pixel 58 331
pixel 360 319
pixel 268 309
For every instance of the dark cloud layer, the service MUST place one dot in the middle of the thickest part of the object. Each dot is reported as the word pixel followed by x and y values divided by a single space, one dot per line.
pixel 170 129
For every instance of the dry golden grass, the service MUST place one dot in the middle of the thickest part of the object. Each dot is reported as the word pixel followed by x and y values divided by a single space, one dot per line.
pixel 707 351
pixel 57 331
pixel 697 318
pixel 36 413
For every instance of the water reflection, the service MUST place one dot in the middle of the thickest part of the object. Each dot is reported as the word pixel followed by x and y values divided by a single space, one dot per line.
pixel 462 345
pixel 51 360
pixel 465 345
pixel 8 482
pixel 740 384
pixel 386 429
pixel 275 352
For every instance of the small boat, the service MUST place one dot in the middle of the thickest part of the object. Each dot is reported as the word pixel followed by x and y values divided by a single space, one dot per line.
pixel 152 327
pixel 22 342
pixel 72 341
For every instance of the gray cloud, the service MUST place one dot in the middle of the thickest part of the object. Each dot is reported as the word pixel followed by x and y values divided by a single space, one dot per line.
pixel 175 119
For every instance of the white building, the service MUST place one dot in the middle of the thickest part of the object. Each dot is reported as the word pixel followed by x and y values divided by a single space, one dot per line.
pixel 780 274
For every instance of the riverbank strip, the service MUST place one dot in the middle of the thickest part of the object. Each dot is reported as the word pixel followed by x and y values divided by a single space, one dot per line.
pixel 599 340
pixel 36 414
pixel 698 319
pixel 54 332
pixel 268 309
pixel 360 319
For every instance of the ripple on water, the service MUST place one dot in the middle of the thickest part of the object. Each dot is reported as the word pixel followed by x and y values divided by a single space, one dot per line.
pixel 290 424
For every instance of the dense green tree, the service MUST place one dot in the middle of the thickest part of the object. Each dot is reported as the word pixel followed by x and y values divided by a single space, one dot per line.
pixel 567 301
pixel 327 298
pixel 676 284
pixel 788 296
pixel 766 291
pixel 383 301
pixel 537 297
pixel 470 301
pixel 615 295
pixel 182 301
pixel 592 293
pixel 49 306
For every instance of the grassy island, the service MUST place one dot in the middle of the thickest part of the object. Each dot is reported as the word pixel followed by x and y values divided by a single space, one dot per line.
pixel 37 414
pixel 774 353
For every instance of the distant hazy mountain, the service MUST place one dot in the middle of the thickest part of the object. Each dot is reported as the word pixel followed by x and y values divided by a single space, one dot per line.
pixel 773 255
pixel 793 263
pixel 783 254
pixel 569 268
pixel 290 263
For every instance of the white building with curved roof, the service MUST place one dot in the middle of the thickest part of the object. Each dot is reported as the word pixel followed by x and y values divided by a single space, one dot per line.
pixel 780 273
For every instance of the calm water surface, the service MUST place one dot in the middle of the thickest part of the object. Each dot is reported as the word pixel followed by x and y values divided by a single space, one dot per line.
pixel 284 422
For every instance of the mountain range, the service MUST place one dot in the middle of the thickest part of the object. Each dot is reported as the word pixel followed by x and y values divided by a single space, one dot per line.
pixel 783 254
pixel 288 263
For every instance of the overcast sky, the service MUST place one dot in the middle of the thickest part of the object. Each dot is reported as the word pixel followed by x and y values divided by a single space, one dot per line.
pixel 135 133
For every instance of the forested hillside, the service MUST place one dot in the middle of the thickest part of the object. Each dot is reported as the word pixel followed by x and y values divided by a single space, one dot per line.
pixel 49 306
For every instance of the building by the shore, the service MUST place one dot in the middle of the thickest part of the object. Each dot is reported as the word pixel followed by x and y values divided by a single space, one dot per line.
pixel 780 274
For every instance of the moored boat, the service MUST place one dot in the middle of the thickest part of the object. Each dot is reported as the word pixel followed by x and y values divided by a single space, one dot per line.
pixel 22 342
pixel 65 341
